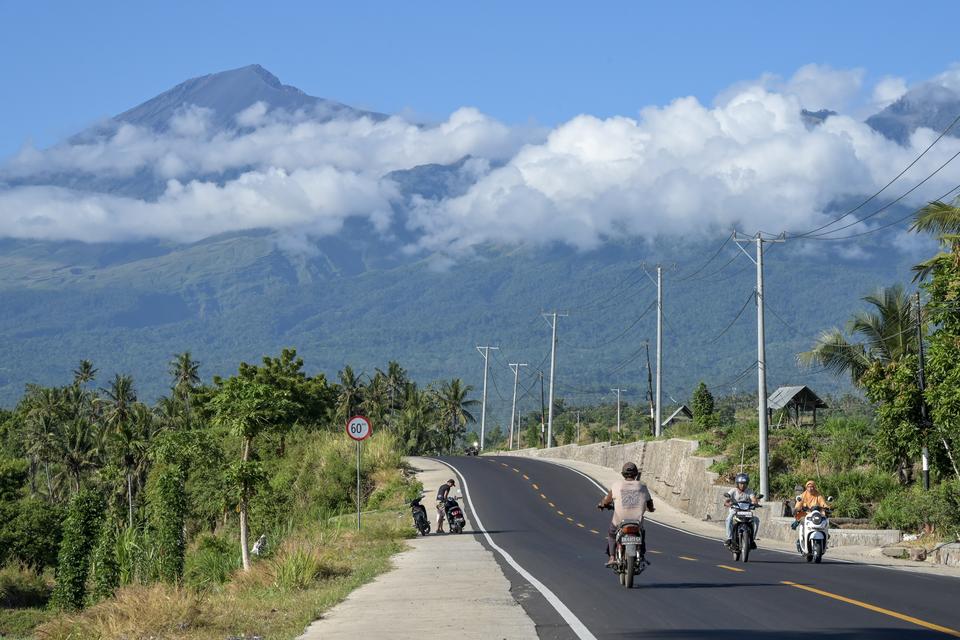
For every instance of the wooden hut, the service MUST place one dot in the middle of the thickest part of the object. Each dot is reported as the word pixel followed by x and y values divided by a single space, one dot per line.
pixel 795 403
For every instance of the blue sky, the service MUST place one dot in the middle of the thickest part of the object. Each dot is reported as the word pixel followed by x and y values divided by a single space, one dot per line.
pixel 67 64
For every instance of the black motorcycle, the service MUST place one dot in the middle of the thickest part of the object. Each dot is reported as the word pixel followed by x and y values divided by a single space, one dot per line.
pixel 630 551
pixel 420 519
pixel 742 541
pixel 455 520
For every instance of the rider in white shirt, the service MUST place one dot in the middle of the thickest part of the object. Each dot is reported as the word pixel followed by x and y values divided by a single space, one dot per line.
pixel 740 493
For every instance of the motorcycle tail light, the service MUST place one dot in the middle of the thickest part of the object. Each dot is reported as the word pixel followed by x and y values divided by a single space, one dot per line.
pixel 631 529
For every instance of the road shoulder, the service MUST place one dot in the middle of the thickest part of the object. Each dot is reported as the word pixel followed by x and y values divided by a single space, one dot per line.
pixel 670 516
pixel 443 586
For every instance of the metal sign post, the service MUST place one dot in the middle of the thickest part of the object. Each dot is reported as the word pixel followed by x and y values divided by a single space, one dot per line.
pixel 358 428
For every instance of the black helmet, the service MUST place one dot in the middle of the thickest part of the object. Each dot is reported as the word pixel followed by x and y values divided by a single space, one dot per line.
pixel 742 477
pixel 629 470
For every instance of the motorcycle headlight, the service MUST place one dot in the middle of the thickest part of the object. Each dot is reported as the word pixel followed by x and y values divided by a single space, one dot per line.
pixel 816 518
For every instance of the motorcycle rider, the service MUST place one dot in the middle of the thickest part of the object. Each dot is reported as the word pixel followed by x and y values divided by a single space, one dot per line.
pixel 442 503
pixel 740 493
pixel 630 499
pixel 810 498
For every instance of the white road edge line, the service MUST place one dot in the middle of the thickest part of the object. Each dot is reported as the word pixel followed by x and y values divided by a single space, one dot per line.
pixel 573 621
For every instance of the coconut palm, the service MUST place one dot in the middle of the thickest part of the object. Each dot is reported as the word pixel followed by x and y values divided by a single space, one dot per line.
pixel 84 373
pixel 185 372
pixel 350 394
pixel 454 410
pixel 942 220
pixel 888 333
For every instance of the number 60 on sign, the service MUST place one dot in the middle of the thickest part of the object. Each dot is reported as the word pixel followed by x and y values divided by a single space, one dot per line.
pixel 358 428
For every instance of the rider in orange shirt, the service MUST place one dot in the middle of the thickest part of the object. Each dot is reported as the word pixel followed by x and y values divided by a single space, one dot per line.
pixel 810 498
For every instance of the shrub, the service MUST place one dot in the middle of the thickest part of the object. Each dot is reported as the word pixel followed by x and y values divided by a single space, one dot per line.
pixel 81 528
pixel 211 562
pixel 167 501
pixel 106 568
pixel 22 587
pixel 915 509
pixel 37 531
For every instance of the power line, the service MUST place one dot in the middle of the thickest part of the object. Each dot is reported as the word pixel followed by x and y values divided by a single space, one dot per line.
pixel 620 335
pixel 705 264
pixel 884 188
pixel 884 207
pixel 737 317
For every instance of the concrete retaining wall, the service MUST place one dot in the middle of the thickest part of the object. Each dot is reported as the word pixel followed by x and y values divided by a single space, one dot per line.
pixel 684 481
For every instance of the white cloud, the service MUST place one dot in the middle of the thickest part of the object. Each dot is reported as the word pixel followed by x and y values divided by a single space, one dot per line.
pixel 749 160
pixel 887 91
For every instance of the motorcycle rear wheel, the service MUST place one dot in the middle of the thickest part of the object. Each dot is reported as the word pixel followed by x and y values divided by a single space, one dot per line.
pixel 629 573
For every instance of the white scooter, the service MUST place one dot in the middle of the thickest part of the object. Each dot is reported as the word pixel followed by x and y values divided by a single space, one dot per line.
pixel 814 533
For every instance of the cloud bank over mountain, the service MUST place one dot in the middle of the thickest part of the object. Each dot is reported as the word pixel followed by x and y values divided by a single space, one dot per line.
pixel 750 159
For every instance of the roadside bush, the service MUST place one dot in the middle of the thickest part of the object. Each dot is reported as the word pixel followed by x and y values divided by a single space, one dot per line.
pixel 167 502
pixel 81 528
pixel 211 562
pixel 106 568
pixel 21 587
pixel 916 510
pixel 36 533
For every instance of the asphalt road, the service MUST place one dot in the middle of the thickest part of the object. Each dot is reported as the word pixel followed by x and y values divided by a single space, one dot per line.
pixel 544 516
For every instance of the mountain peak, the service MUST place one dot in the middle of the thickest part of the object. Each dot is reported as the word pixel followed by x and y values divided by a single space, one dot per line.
pixel 928 105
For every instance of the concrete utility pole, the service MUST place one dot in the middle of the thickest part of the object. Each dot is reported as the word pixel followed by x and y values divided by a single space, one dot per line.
pixel 924 419
pixel 485 352
pixel 658 407
pixel 553 368
pixel 515 366
pixel 646 345
pixel 543 410
pixel 762 413
pixel 578 426
pixel 618 390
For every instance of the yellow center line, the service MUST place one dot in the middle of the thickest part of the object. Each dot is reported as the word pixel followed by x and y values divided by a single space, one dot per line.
pixel 526 477
pixel 886 612
pixel 569 518
pixel 560 512
pixel 580 524
pixel 652 551
pixel 594 531
pixel 516 470
pixel 543 496
pixel 535 487
pixel 505 464
pixel 687 558
pixel 551 504
pixel 728 568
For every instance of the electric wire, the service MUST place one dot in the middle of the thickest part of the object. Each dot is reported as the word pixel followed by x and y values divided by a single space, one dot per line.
pixel 707 263
pixel 884 188
pixel 618 336
pixel 734 321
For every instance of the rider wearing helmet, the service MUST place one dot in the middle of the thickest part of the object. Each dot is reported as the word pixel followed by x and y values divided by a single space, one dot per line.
pixel 630 499
pixel 740 493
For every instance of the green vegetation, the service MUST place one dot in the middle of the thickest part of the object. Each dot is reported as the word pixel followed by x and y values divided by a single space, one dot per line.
pixel 160 505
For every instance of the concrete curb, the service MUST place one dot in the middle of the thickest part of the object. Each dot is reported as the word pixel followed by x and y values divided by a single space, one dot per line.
pixel 442 587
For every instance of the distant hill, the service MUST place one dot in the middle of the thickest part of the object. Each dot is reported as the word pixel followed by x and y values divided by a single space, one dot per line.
pixel 358 298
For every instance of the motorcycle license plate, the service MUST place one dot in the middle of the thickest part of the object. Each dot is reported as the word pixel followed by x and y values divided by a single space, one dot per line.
pixel 745 514
pixel 630 540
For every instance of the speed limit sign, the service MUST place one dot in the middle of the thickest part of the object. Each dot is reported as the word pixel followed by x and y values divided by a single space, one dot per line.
pixel 358 428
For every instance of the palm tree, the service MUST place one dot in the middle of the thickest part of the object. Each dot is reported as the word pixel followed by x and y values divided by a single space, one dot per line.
pixel 350 394
pixel 120 405
pixel 888 333
pixel 454 410
pixel 78 449
pixel 414 420
pixel 185 372
pixel 943 220
pixel 84 373
pixel 376 398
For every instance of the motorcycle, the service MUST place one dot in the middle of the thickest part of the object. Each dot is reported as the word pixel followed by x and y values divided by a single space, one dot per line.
pixel 742 542
pixel 420 519
pixel 455 520
pixel 629 554
pixel 813 533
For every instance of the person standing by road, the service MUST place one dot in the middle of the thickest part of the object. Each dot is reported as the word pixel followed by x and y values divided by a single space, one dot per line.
pixel 442 503
pixel 630 499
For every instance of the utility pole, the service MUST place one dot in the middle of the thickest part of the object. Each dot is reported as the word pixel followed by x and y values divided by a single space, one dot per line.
pixel 618 390
pixel 761 354
pixel 659 404
pixel 924 419
pixel 646 345
pixel 578 426
pixel 553 369
pixel 515 366
pixel 543 409
pixel 485 352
